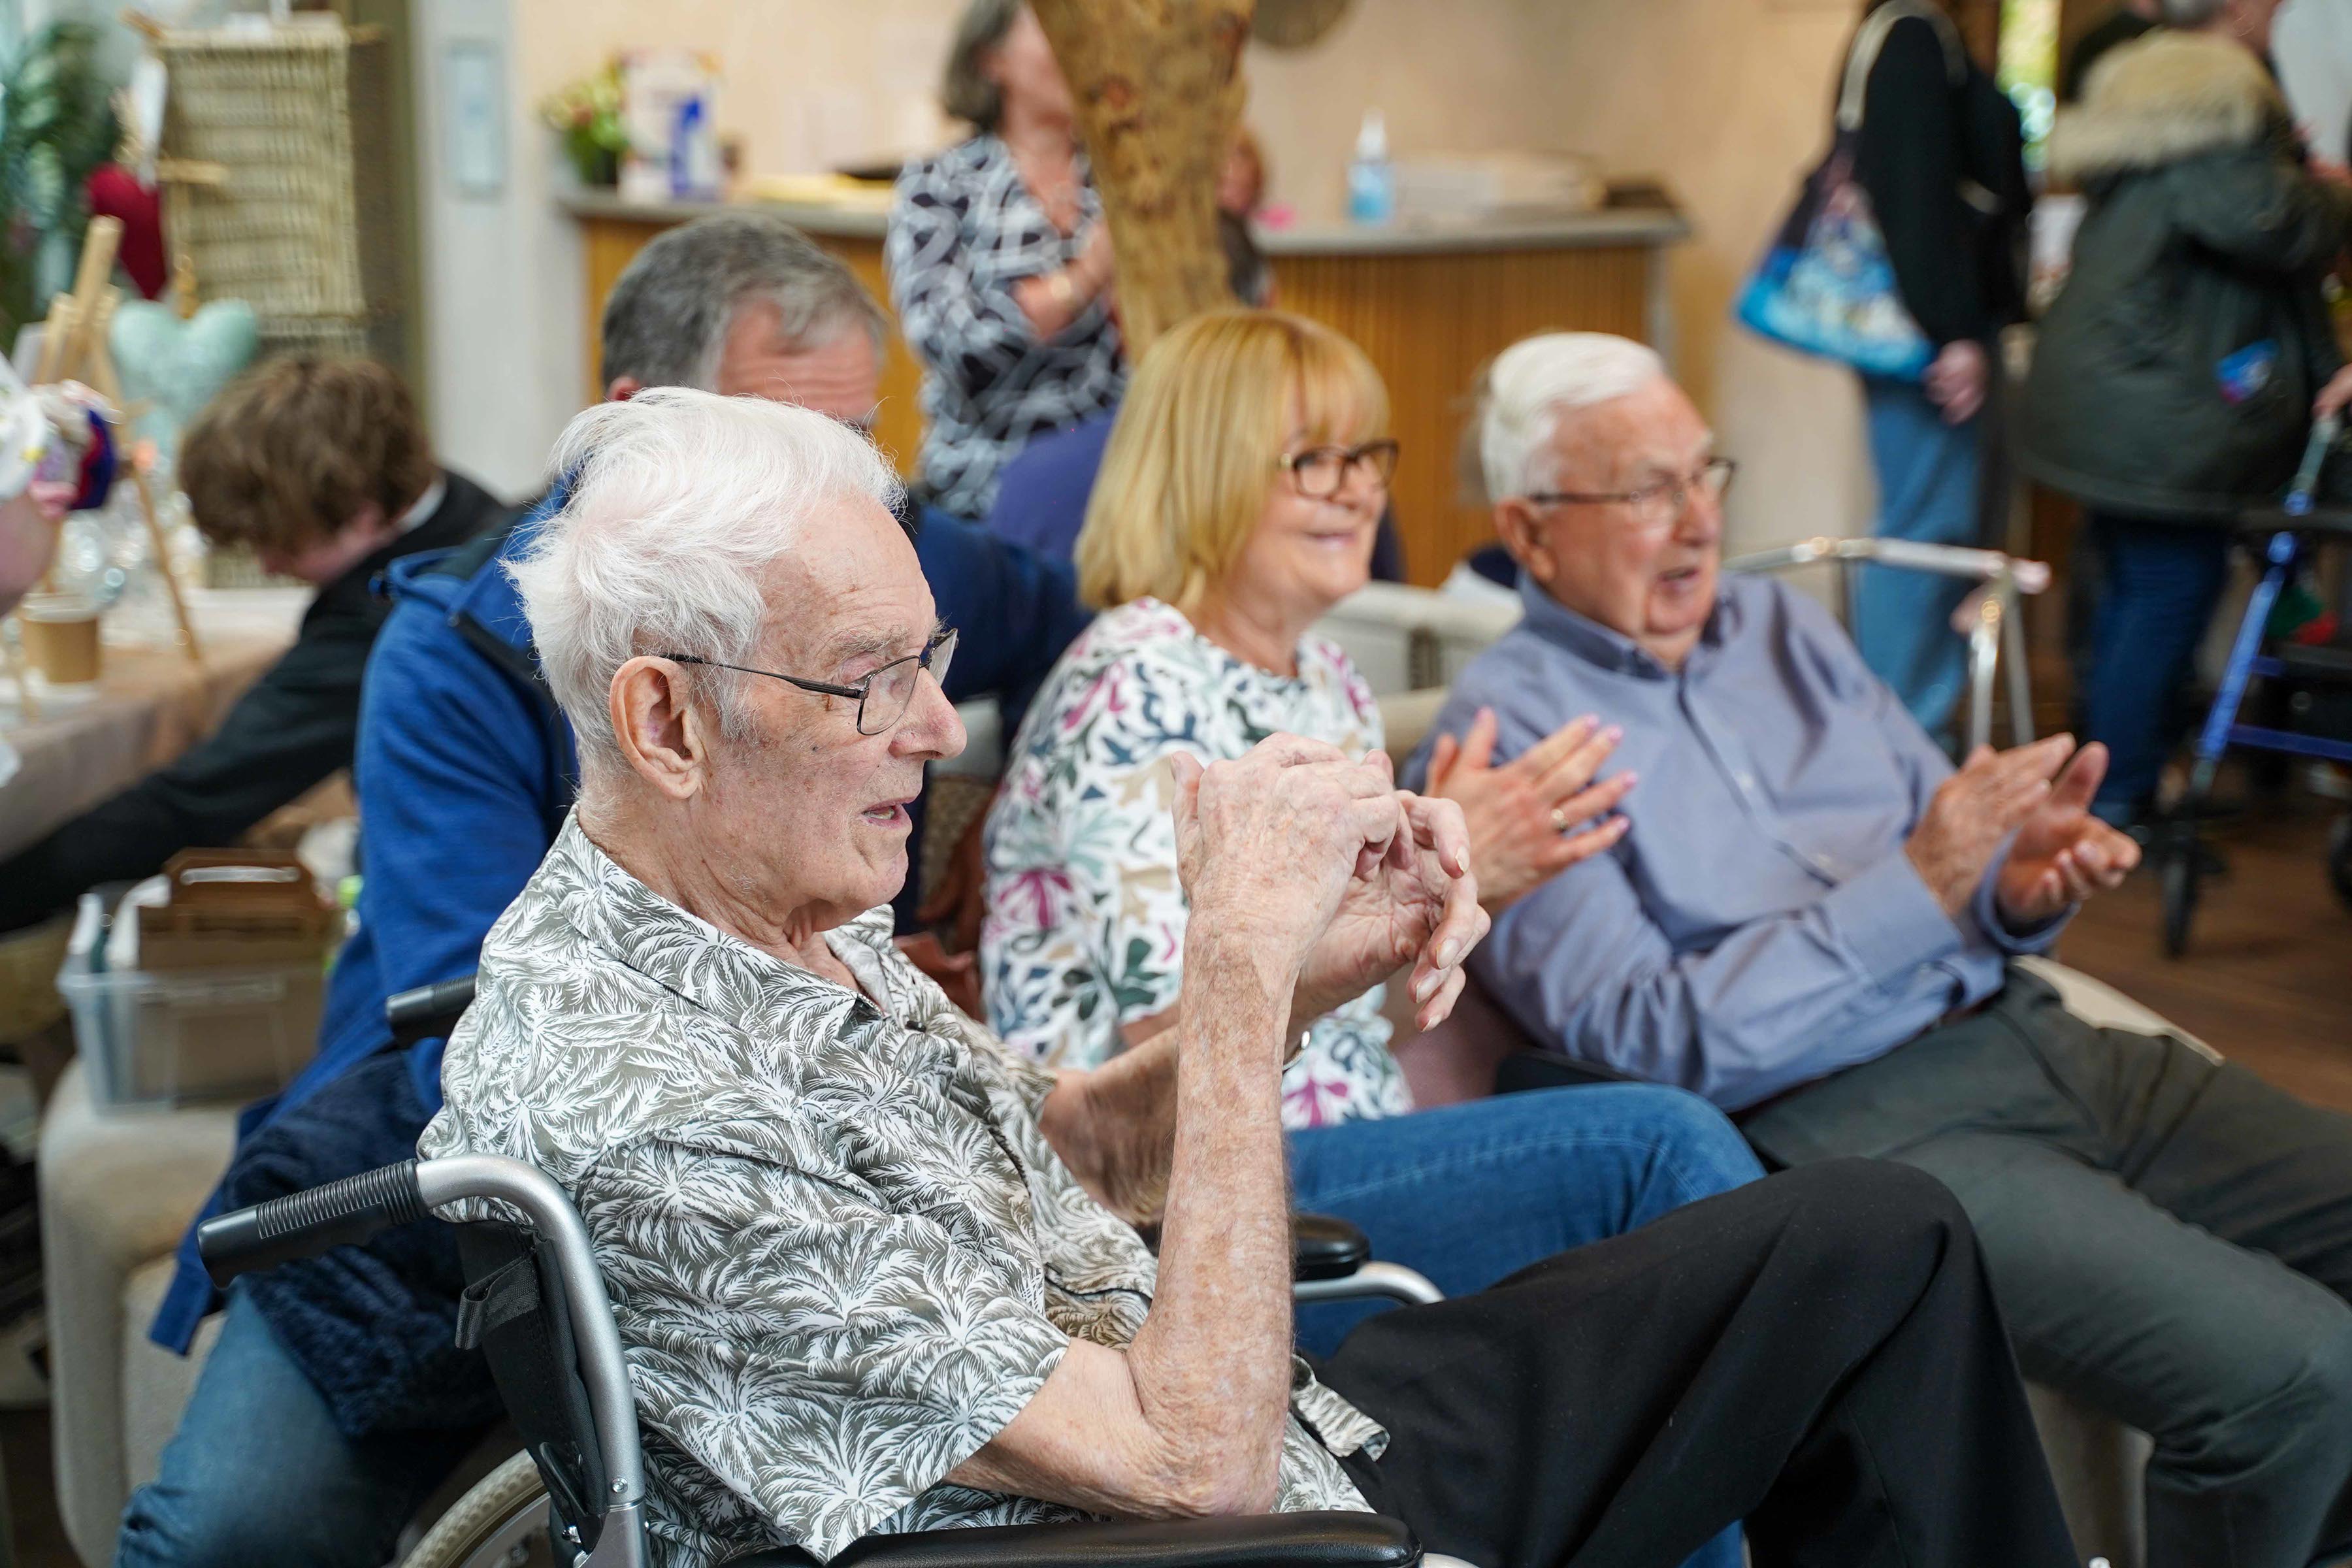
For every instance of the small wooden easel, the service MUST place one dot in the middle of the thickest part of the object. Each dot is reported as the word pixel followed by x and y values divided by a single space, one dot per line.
pixel 74 347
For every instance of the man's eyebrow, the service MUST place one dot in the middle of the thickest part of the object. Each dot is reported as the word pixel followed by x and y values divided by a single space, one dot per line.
pixel 855 645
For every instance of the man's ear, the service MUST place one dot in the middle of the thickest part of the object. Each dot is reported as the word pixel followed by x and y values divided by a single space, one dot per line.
pixel 1516 527
pixel 663 737
pixel 623 389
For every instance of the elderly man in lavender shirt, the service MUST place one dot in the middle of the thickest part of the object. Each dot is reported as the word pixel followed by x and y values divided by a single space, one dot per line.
pixel 1811 920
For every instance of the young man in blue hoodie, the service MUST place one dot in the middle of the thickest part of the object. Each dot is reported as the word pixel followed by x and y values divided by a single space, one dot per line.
pixel 334 1401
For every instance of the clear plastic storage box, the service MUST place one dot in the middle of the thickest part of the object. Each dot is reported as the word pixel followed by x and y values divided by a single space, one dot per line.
pixel 156 1038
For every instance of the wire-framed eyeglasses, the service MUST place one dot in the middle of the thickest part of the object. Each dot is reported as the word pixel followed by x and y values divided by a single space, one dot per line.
pixel 1321 472
pixel 882 696
pixel 1659 501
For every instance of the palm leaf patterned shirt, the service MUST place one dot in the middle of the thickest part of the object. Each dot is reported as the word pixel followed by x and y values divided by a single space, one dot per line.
pixel 1084 929
pixel 840 1253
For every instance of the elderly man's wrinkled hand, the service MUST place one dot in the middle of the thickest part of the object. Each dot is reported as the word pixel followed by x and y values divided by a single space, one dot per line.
pixel 2063 854
pixel 1268 845
pixel 1540 813
pixel 1418 905
pixel 1974 810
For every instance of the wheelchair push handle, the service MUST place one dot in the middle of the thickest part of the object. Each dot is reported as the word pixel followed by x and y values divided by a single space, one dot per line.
pixel 428 1010
pixel 306 1223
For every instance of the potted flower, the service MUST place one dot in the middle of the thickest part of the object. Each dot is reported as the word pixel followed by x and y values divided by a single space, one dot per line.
pixel 587 114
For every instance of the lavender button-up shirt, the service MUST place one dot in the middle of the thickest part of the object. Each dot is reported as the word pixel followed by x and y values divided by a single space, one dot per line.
pixel 1759 925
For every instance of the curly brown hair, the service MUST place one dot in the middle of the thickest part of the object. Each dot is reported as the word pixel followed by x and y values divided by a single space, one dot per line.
pixel 291 451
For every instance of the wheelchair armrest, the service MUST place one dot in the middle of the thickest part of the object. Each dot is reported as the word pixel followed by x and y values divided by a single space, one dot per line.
pixel 1257 1541
pixel 1327 1247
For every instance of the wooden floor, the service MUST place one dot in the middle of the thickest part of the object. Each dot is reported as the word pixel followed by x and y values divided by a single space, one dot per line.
pixel 2267 979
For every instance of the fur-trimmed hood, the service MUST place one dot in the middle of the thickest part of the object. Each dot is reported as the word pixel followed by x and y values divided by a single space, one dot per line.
pixel 2160 99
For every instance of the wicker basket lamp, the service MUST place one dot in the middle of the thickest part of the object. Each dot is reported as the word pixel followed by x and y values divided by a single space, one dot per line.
pixel 279 223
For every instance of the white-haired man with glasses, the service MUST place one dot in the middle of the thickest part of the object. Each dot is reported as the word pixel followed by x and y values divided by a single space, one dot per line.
pixel 1811 921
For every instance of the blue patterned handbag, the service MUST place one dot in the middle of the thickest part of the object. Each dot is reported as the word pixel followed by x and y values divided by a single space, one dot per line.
pixel 1825 285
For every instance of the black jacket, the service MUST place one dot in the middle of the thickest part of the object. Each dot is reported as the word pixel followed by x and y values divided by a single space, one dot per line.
pixel 1943 164
pixel 293 729
pixel 2174 374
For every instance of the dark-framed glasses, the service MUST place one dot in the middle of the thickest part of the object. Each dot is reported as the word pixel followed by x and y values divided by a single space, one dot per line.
pixel 1659 501
pixel 1321 472
pixel 882 696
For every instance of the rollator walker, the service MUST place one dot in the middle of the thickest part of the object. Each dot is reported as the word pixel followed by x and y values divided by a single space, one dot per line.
pixel 2313 679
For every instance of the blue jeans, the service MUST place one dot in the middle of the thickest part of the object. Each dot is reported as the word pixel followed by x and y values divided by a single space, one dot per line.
pixel 1926 492
pixel 1469 1195
pixel 258 1476
pixel 2157 588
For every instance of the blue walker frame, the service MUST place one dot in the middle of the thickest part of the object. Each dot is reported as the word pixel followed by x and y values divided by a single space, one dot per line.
pixel 2289 537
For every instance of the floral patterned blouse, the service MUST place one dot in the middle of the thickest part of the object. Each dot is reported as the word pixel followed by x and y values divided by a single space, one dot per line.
pixel 1084 923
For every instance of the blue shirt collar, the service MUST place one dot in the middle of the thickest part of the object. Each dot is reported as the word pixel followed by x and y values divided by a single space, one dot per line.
pixel 1599 646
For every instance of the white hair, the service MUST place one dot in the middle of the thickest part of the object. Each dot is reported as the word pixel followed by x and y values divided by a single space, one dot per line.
pixel 1536 380
pixel 679 502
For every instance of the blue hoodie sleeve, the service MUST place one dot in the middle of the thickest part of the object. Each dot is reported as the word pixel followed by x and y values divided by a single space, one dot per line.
pixel 1017 608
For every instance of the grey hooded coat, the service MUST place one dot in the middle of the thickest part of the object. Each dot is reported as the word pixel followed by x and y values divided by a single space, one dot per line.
pixel 2175 372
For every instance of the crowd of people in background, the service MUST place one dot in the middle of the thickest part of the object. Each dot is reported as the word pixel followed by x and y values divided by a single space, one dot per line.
pixel 648 751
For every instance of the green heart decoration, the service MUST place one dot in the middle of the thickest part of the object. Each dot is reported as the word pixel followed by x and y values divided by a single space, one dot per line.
pixel 176 366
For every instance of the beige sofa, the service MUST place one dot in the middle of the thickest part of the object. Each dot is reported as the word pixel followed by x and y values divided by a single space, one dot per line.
pixel 117 1193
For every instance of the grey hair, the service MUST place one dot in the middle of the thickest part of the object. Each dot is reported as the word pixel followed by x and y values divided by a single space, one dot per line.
pixel 680 501
pixel 965 91
pixel 2188 14
pixel 1532 382
pixel 665 324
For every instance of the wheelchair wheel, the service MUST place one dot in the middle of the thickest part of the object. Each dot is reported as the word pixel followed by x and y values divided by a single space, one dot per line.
pixel 2182 863
pixel 2339 860
pixel 501 1523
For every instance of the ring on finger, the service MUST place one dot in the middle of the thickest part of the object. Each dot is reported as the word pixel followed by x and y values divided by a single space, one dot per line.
pixel 1559 820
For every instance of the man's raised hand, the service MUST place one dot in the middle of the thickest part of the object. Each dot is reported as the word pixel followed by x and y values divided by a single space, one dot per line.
pixel 2063 854
pixel 1266 843
pixel 1974 810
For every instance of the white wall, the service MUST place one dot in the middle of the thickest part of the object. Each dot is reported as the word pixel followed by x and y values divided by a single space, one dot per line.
pixel 501 273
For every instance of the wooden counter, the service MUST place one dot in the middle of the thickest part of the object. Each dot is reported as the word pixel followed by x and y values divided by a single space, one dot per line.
pixel 1428 305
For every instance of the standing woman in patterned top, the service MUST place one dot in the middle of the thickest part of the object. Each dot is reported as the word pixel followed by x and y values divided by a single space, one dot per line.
pixel 1000 263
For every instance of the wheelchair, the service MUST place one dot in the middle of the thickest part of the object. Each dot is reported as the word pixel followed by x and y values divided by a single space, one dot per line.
pixel 572 1497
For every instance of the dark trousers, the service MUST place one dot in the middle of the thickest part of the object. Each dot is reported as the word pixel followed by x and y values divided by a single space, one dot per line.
pixel 2159 583
pixel 1817 1354
pixel 2171 1239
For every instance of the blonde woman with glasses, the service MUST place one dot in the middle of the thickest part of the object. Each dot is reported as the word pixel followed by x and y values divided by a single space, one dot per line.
pixel 1236 505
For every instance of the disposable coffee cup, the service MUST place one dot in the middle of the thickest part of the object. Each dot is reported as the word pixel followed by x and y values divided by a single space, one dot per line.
pixel 60 632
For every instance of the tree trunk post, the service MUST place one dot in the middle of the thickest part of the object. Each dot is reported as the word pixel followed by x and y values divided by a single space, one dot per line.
pixel 1158 89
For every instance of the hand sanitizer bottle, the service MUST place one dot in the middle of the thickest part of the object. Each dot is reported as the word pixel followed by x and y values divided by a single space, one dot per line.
pixel 1371 182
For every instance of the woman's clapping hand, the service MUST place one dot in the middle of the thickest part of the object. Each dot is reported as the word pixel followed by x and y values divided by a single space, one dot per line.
pixel 1540 813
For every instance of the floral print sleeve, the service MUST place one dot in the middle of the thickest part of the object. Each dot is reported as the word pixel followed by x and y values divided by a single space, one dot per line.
pixel 1085 920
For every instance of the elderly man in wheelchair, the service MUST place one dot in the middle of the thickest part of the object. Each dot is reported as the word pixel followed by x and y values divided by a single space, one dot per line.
pixel 873 1276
